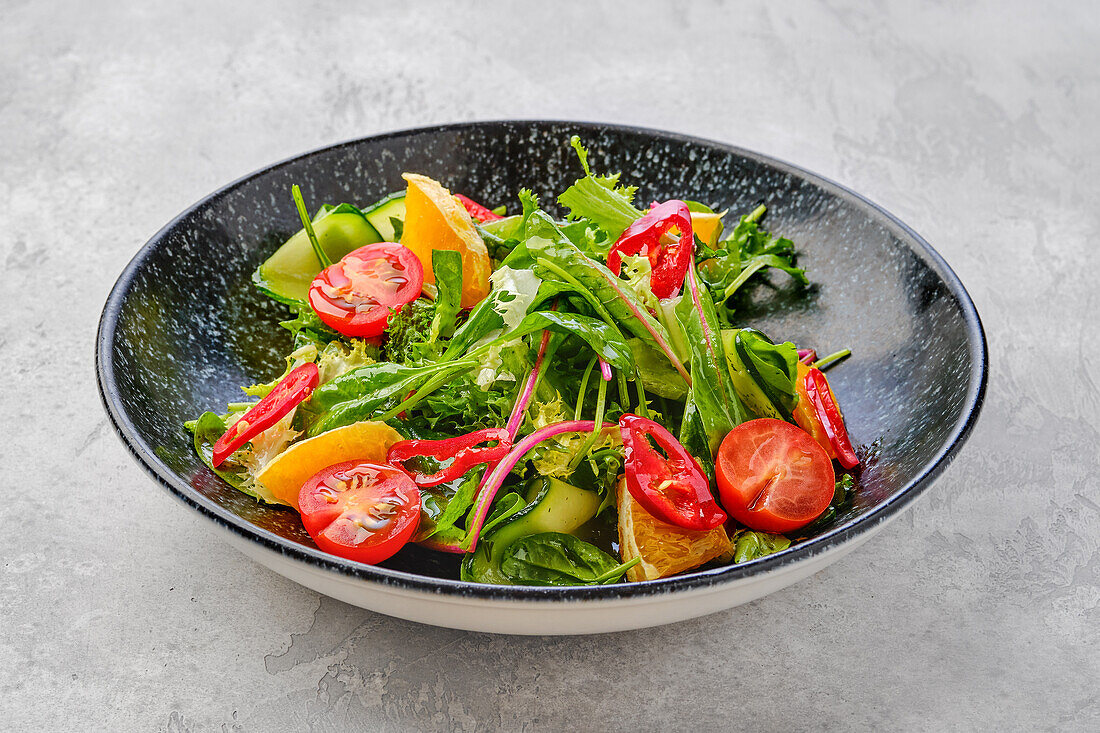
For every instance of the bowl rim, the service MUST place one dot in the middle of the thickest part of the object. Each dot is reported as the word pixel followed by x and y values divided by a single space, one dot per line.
pixel 146 457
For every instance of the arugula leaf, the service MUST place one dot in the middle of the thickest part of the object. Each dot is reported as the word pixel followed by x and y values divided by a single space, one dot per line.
pixel 553 558
pixel 599 198
pixel 717 405
pixel 558 259
pixel 447 267
pixel 368 390
pixel 605 340
pixel 750 545
pixel 748 250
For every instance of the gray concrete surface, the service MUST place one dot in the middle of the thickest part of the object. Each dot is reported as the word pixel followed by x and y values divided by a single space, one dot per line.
pixel 975 122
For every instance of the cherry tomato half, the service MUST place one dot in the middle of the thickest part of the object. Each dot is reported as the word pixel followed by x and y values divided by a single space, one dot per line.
pixel 288 393
pixel 772 476
pixel 359 510
pixel 356 295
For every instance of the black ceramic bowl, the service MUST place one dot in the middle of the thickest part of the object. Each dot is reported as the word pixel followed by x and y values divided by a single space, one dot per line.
pixel 184 327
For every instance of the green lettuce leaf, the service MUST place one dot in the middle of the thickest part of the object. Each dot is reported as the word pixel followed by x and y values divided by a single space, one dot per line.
pixel 600 199
pixel 447 267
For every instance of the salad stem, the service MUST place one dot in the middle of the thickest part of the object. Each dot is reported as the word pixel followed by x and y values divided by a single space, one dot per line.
pixel 493 481
pixel 624 390
pixel 754 266
pixel 643 405
pixel 616 571
pixel 757 213
pixel 601 408
pixel 308 226
pixel 520 408
pixel 827 361
pixel 584 387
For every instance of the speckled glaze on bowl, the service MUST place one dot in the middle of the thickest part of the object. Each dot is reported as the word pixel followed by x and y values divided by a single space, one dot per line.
pixel 184 327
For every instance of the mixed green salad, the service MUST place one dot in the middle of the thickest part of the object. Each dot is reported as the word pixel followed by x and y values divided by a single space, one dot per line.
pixel 559 400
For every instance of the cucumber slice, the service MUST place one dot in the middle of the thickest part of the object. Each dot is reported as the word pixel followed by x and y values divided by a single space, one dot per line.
pixel 379 215
pixel 287 274
pixel 553 506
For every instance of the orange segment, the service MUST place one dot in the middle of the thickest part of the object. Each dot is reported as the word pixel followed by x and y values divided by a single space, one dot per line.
pixel 707 226
pixel 434 219
pixel 285 475
pixel 664 549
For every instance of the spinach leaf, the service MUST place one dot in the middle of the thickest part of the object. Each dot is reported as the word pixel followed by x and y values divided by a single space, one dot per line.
pixel 693 436
pixel 504 508
pixel 553 558
pixel 657 374
pixel 447 267
pixel 749 545
pixel 717 405
pixel 698 207
pixel 772 367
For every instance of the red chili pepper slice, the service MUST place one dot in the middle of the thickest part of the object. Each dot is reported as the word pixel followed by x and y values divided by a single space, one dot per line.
pixel 672 489
pixel 463 449
pixel 670 261
pixel 821 398
pixel 293 389
pixel 476 211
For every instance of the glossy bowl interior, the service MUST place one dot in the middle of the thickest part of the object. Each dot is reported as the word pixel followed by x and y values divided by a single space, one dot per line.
pixel 184 327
